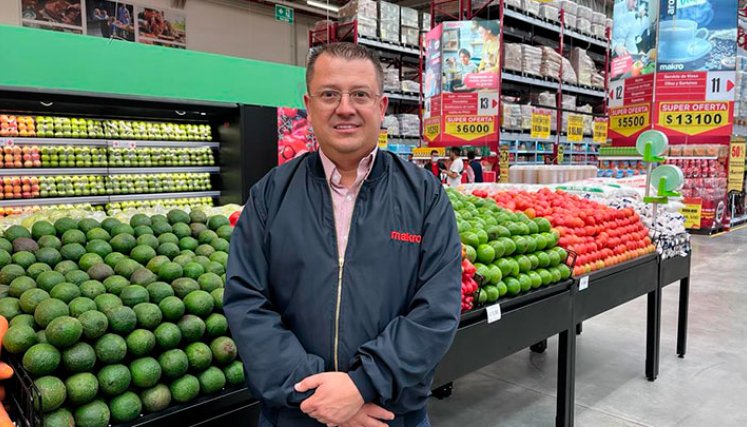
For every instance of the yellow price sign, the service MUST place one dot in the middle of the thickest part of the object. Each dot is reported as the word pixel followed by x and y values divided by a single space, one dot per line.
pixel 736 165
pixel 426 151
pixel 575 128
pixel 470 128
pixel 629 120
pixel 692 213
pixel 693 118
pixel 383 138
pixel 600 131
pixel 561 153
pixel 432 128
pixel 503 163
pixel 540 125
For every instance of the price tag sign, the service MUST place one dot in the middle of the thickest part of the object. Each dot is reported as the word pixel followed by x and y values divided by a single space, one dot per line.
pixel 494 313
pixel 561 153
pixel 600 131
pixel 115 144
pixel 629 120
pixel 736 165
pixel 131 144
pixel 383 138
pixel 692 213
pixel 432 128
pixel 584 283
pixel 8 142
pixel 470 128
pixel 540 124
pixel 693 118
pixel 426 151
pixel 503 163
pixel 575 128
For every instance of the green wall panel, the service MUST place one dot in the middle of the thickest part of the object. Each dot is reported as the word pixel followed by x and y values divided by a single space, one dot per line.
pixel 50 60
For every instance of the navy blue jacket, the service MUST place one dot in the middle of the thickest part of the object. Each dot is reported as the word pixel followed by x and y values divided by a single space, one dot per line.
pixel 386 314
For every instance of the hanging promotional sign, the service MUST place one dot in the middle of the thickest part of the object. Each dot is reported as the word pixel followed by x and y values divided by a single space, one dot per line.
pixel 503 163
pixel 628 122
pixel 736 165
pixel 695 118
pixel 575 129
pixel 600 130
pixel 541 123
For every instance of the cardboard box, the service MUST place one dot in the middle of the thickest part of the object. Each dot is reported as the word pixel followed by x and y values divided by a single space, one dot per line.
pixel 409 17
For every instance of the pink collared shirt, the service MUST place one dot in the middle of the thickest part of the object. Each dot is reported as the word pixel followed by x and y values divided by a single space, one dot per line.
pixel 343 198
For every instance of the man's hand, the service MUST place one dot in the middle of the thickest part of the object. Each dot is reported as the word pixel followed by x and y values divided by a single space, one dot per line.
pixel 336 399
pixel 370 415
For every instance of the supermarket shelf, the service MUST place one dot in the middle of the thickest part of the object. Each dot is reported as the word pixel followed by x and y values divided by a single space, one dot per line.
pixel 53 171
pixel 583 90
pixel 532 81
pixel 47 201
pixel 738 221
pixel 620 158
pixel 90 142
pixel 668 158
pixel 402 96
pixel 553 26
pixel 153 196
pixel 515 136
pixel 693 157
pixel 165 169
pixel 388 46
pixel 739 130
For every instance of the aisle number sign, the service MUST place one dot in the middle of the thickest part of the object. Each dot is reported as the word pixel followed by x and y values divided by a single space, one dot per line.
pixel 503 163
pixel 600 130
pixel 541 124
pixel 693 118
pixel 470 128
pixel 736 165
pixel 383 138
pixel 692 213
pixel 575 128
pixel 627 121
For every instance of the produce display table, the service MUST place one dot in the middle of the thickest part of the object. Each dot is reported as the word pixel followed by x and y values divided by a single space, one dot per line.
pixel 525 320
pixel 671 270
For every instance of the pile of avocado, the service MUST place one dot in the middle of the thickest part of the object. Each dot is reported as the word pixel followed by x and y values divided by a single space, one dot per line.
pixel 114 320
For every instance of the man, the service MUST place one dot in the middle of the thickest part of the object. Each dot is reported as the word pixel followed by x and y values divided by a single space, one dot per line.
pixel 437 165
pixel 627 30
pixel 343 281
pixel 475 165
pixel 454 173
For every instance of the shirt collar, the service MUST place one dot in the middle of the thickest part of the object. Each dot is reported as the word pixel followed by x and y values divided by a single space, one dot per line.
pixel 333 175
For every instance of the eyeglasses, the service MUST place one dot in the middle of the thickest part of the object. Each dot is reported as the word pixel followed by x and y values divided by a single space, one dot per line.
pixel 332 98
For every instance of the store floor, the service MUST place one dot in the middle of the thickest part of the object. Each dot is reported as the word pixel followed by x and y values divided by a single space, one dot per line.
pixel 706 388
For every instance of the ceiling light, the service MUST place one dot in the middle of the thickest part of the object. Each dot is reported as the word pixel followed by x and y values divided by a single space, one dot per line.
pixel 325 6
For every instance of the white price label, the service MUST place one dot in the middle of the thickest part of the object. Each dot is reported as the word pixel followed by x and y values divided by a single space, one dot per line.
pixel 584 283
pixel 115 144
pixel 8 142
pixel 494 313
pixel 131 144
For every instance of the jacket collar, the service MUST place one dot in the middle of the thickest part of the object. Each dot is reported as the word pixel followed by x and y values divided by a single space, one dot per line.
pixel 380 165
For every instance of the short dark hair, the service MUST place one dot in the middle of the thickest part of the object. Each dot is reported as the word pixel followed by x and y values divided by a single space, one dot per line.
pixel 471 154
pixel 491 26
pixel 456 150
pixel 345 50
pixel 464 52
pixel 434 152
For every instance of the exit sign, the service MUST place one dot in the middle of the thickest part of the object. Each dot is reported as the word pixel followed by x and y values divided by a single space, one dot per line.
pixel 283 14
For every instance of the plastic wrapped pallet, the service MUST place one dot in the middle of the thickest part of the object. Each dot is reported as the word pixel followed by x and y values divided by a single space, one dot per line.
pixel 410 36
pixel 389 31
pixel 391 124
pixel 511 116
pixel 516 4
pixel 586 108
pixel 588 124
pixel 609 23
pixel 569 102
pixel 425 21
pixel 409 124
pixel 569 6
pixel 391 80
pixel 584 12
pixel 531 59
pixel 366 28
pixel 544 99
pixel 583 25
pixel 531 7
pixel 389 21
pixel 526 117
pixel 597 80
pixel 410 86
pixel 599 30
pixel 569 75
pixel 409 17
pixel 356 9
pixel 569 20
pixel 582 65
pixel 549 11
pixel 550 66
pixel 554 120
pixel 598 18
pixel 512 57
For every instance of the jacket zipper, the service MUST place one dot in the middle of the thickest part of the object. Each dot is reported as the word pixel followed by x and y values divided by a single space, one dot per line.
pixel 337 311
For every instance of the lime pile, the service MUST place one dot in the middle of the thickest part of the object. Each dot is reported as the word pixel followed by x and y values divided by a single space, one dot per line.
pixel 113 319
pixel 512 252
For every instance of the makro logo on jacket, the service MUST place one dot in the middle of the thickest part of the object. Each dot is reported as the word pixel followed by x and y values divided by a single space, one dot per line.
pixel 406 237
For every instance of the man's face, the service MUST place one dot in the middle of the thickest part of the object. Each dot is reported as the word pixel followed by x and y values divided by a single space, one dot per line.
pixel 347 128
pixel 631 4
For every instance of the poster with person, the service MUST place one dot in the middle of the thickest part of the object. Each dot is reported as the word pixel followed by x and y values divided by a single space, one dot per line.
pixel 57 15
pixel 110 19
pixel 161 27
pixel 633 44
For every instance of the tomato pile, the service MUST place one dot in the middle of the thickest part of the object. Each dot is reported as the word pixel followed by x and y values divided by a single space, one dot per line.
pixel 600 235
pixel 469 285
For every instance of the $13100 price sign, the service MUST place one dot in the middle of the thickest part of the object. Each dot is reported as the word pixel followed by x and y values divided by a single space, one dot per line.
pixel 693 118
